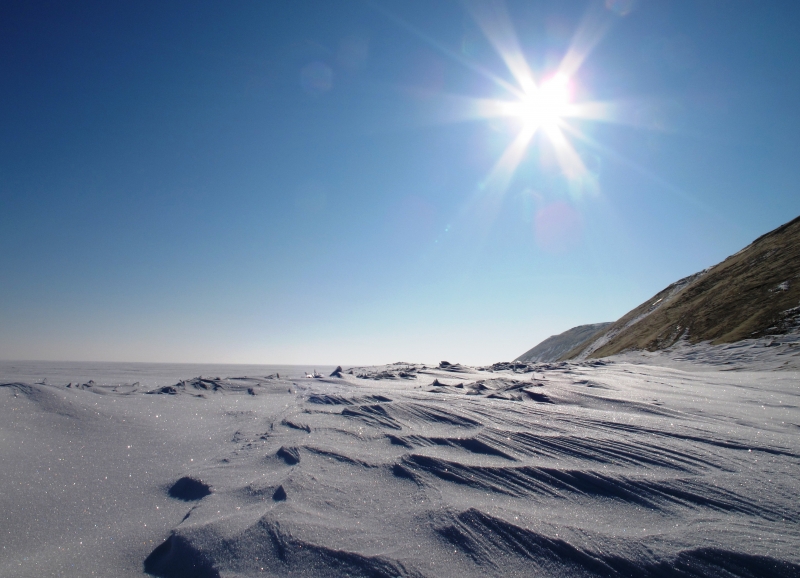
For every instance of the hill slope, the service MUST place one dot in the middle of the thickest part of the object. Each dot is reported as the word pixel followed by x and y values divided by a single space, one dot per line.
pixel 753 293
pixel 557 345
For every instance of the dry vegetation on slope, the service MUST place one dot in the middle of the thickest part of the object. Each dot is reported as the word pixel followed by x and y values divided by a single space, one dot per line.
pixel 753 293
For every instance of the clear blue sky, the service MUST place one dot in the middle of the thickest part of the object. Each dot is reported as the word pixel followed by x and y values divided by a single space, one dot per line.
pixel 285 181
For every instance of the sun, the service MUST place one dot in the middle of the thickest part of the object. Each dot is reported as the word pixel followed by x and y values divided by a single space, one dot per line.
pixel 541 111
pixel 545 105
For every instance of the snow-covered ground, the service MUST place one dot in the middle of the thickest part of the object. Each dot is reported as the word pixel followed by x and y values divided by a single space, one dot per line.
pixel 771 353
pixel 644 465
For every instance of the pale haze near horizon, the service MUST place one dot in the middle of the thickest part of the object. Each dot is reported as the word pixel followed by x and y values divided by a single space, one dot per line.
pixel 284 183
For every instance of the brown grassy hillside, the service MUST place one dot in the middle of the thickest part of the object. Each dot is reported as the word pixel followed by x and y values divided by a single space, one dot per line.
pixel 749 294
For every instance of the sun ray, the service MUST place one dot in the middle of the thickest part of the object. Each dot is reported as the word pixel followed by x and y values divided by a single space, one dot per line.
pixel 507 86
pixel 461 109
pixel 494 21
pixel 602 111
pixel 447 108
pixel 623 160
pixel 496 183
pixel 639 113
pixel 568 158
pixel 481 210
pixel 594 26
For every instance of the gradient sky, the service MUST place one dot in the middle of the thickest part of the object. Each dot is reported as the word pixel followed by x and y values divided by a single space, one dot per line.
pixel 283 181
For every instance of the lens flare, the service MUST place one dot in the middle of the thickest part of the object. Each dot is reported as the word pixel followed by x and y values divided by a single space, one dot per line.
pixel 558 227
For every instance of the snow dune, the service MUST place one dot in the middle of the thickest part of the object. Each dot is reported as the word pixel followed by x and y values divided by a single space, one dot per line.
pixel 627 467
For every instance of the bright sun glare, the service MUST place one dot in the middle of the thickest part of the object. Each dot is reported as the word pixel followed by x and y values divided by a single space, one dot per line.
pixel 546 105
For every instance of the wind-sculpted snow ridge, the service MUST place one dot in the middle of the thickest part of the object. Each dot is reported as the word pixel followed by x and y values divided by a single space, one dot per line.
pixel 625 471
pixel 508 548
pixel 771 353
pixel 499 388
pixel 394 371
pixel 200 386
pixel 614 470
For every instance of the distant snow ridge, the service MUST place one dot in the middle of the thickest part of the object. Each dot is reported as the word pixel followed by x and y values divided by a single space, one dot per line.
pixel 552 348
